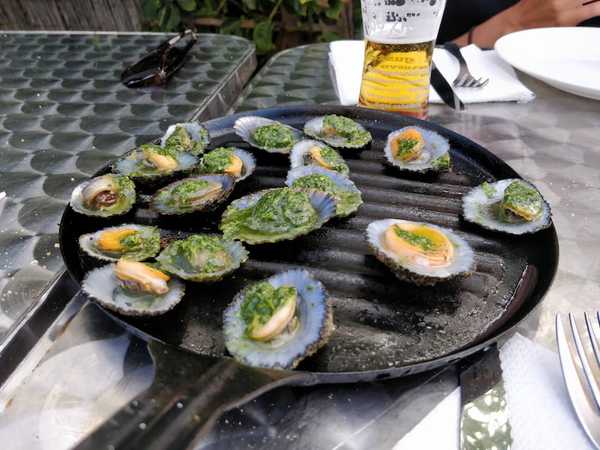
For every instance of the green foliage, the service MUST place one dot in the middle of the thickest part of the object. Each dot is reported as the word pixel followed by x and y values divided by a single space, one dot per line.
pixel 250 4
pixel 263 36
pixel 263 21
pixel 187 5
pixel 334 10
pixel 207 8
pixel 150 8
pixel 232 26
pixel 169 17
pixel 328 36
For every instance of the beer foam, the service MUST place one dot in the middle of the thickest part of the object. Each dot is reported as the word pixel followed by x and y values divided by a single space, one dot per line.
pixel 385 38
pixel 408 22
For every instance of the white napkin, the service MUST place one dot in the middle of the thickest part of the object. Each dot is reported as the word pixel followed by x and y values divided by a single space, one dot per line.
pixel 346 61
pixel 539 409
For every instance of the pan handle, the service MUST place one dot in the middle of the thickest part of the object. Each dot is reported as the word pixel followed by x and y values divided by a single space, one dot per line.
pixel 188 394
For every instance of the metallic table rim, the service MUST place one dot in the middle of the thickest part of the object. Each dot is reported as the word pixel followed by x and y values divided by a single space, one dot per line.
pixel 503 330
pixel 12 350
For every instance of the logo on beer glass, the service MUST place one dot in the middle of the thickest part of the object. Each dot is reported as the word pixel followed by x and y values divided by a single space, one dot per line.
pixel 400 37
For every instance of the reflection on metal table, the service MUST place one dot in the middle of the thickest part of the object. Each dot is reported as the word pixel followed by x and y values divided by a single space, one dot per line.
pixel 64 112
pixel 86 366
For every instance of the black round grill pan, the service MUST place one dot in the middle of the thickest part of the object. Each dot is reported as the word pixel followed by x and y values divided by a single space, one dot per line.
pixel 384 327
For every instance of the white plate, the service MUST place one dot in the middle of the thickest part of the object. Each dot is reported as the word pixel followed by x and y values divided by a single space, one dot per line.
pixel 566 58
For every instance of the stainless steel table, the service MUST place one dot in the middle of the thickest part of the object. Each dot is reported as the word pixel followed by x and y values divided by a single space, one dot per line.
pixel 554 141
pixel 64 112
pixel 86 366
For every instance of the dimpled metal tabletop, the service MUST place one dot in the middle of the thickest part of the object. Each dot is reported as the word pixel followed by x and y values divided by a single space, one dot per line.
pixel 552 141
pixel 64 112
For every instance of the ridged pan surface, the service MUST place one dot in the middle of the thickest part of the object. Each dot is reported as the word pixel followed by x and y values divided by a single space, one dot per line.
pixel 384 327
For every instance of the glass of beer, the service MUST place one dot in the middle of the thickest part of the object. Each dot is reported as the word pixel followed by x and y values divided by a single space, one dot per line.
pixel 400 37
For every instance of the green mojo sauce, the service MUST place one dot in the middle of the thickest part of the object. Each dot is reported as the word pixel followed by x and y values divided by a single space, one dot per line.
pixel 488 189
pixel 422 242
pixel 347 201
pixel 132 242
pixel 344 127
pixel 125 194
pixel 217 160
pixel 316 181
pixel 522 199
pixel 442 163
pixel 157 149
pixel 274 136
pixel 205 253
pixel 333 159
pixel 282 210
pixel 262 301
pixel 138 245
pixel 405 148
pixel 185 192
pixel 179 140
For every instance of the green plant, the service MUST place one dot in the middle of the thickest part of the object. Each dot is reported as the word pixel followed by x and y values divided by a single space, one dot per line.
pixel 271 24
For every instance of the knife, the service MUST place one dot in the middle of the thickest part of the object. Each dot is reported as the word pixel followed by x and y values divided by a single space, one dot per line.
pixel 484 416
pixel 444 89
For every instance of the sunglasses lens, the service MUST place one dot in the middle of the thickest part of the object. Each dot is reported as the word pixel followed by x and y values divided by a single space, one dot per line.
pixel 140 78
pixel 157 66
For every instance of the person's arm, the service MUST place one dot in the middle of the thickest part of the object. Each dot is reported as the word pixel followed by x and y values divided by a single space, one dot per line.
pixel 530 14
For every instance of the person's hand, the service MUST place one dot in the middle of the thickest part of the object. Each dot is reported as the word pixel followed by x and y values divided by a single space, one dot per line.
pixel 552 13
pixel 530 14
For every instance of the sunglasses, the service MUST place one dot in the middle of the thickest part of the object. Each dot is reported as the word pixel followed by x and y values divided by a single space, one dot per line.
pixel 157 66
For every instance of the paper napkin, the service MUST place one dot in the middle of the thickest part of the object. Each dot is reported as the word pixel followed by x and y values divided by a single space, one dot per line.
pixel 539 409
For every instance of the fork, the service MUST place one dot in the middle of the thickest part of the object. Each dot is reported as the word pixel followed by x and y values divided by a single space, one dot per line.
pixel 581 376
pixel 464 77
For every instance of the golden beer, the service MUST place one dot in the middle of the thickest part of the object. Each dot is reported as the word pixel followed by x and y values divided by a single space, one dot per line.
pixel 396 77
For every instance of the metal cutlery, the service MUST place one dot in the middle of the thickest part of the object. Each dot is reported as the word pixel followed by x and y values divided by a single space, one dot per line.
pixel 444 90
pixel 581 370
pixel 464 78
